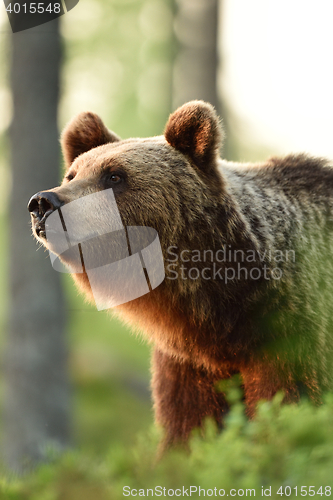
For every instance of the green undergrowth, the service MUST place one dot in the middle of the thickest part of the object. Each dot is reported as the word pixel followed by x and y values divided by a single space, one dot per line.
pixel 282 450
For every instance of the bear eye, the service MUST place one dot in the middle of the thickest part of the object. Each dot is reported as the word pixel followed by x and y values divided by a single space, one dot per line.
pixel 114 178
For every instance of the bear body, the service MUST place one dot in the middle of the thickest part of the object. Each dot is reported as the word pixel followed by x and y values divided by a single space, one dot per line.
pixel 248 257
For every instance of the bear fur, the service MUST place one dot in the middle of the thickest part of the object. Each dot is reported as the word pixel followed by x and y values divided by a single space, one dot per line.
pixel 264 310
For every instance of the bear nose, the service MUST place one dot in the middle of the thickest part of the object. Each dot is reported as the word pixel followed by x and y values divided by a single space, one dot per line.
pixel 43 204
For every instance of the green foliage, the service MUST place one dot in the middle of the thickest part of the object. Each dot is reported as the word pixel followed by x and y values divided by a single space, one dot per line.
pixel 118 63
pixel 289 445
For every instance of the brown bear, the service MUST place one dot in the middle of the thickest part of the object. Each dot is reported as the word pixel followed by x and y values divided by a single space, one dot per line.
pixel 248 260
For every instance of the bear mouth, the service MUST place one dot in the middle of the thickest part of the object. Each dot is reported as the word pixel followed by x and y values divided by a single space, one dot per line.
pixel 40 232
pixel 38 228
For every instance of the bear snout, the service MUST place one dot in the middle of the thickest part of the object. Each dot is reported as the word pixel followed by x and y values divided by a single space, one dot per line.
pixel 40 206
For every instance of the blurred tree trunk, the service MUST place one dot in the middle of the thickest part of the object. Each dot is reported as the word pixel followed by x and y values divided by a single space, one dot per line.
pixel 36 405
pixel 197 61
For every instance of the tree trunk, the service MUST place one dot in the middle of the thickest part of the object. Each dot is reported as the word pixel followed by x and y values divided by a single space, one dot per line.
pixel 198 60
pixel 36 404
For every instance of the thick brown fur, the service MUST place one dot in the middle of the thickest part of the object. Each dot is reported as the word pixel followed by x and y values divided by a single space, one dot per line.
pixel 276 332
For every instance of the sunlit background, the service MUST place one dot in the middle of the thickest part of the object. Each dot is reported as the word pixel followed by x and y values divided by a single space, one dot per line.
pixel 278 72
pixel 276 76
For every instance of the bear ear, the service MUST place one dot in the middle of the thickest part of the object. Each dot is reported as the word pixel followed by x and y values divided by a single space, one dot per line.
pixel 84 132
pixel 194 130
